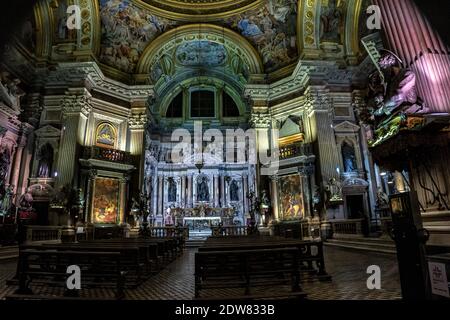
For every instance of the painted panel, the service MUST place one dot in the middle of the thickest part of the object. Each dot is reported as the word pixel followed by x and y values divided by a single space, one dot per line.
pixel 106 201
pixel 292 206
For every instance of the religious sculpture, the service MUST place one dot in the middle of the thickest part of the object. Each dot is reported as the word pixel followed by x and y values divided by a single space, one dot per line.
pixel 203 190
pixel 172 192
pixel 392 99
pixel 4 167
pixel 168 219
pixel 335 191
pixel 7 200
pixel 234 191
pixel 400 92
pixel 10 93
pixel 348 154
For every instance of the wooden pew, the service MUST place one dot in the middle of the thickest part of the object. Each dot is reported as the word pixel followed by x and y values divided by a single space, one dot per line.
pixel 311 258
pixel 49 267
pixel 130 257
pixel 248 269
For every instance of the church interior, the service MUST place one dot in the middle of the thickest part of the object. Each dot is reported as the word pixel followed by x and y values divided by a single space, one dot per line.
pixel 193 149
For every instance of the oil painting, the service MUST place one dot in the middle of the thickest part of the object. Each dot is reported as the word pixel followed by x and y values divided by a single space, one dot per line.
pixel 292 206
pixel 106 201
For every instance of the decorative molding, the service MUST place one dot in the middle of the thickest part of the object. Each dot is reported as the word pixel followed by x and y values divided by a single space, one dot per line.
pixel 67 74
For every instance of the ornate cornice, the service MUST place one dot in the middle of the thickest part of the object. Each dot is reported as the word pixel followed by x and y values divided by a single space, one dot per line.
pixel 67 74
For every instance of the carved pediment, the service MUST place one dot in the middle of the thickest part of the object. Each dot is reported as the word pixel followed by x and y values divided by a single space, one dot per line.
pixel 48 131
pixel 346 127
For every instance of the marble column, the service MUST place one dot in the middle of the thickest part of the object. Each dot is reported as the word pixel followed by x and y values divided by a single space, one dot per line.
pixel 160 195
pixel 123 197
pixel 321 123
pixel 245 193
pixel 222 191
pixel 76 106
pixel 275 197
pixel 183 191
pixel 216 191
pixel 189 192
pixel 17 166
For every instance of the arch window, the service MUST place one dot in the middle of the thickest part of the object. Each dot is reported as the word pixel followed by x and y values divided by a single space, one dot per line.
pixel 202 104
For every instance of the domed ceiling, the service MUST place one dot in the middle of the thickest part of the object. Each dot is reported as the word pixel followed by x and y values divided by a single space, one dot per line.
pixel 212 8
pixel 137 41
pixel 129 26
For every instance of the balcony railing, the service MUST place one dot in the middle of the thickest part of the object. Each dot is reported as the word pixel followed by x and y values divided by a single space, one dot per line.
pixel 295 150
pixel 104 154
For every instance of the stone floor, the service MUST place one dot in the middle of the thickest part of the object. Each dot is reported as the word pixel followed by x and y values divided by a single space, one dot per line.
pixel 176 281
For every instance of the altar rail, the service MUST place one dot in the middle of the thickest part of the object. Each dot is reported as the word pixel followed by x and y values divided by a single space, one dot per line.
pixel 104 154
pixel 229 231
pixel 43 233
pixel 167 232
pixel 353 227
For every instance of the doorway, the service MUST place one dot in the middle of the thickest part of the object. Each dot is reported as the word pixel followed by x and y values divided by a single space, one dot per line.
pixel 355 207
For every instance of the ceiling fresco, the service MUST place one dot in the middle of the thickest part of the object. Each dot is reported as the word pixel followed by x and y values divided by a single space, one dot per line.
pixel 137 41
pixel 272 29
pixel 126 31
pixel 128 28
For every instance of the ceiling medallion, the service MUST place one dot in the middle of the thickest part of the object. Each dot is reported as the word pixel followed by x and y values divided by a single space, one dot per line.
pixel 208 9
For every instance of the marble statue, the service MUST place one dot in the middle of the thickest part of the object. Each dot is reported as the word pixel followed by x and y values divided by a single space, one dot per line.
pixel 234 191
pixel 168 219
pixel 400 92
pixel 4 167
pixel 335 189
pixel 203 190
pixel 7 200
pixel 172 192
pixel 10 93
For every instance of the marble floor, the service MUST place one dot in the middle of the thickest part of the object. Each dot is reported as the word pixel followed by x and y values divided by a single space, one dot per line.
pixel 176 281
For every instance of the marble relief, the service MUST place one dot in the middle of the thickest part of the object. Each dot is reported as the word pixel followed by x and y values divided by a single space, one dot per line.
pixel 196 53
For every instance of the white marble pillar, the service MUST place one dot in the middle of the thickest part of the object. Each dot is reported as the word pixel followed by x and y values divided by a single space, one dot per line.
pixel 15 171
pixel 222 191
pixel 216 191
pixel 189 192
pixel 245 193
pixel 160 195
pixel 183 191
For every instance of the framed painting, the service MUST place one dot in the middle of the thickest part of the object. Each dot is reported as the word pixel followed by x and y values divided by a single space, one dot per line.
pixel 292 206
pixel 106 201
pixel 106 136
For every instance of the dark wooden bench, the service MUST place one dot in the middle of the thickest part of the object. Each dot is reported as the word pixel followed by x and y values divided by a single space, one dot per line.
pixel 248 269
pixel 49 267
pixel 130 257
pixel 311 258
